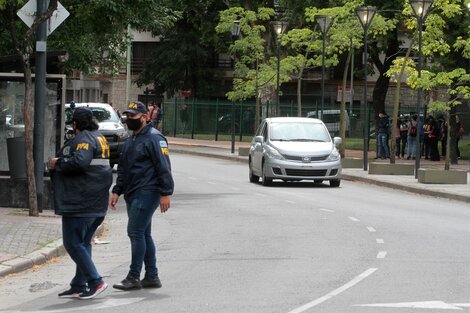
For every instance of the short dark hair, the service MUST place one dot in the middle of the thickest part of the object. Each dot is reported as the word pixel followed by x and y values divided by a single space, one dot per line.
pixel 83 118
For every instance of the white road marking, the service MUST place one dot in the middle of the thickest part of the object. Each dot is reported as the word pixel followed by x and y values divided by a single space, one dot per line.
pixel 192 178
pixel 290 202
pixel 380 241
pixel 107 303
pixel 335 292
pixel 326 210
pixel 382 255
pixel 354 219
pixel 419 305
pixel 371 229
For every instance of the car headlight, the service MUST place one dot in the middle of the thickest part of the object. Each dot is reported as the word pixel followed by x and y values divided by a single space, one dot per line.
pixel 334 156
pixel 273 153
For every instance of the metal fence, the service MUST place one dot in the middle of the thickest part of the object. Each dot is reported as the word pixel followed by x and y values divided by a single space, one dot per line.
pixel 213 119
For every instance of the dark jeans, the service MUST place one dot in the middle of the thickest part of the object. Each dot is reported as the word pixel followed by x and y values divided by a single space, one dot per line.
pixel 140 208
pixel 77 233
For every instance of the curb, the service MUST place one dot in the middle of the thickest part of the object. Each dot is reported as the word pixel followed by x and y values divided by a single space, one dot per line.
pixel 38 257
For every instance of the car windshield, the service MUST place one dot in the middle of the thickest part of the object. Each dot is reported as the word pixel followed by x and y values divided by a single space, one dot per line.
pixel 101 114
pixel 299 132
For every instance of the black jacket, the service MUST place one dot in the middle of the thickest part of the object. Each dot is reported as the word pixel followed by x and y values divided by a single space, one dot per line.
pixel 145 164
pixel 81 180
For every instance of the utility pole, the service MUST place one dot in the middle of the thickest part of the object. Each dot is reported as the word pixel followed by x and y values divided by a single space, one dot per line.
pixel 39 102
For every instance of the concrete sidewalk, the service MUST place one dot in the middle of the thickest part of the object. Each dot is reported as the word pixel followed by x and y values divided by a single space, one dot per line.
pixel 27 241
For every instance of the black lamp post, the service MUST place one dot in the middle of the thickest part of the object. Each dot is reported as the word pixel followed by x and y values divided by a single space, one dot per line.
pixel 324 22
pixel 421 9
pixel 279 28
pixel 235 36
pixel 365 15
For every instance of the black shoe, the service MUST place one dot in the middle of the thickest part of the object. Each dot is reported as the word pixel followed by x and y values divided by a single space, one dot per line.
pixel 151 282
pixel 129 283
pixel 408 158
pixel 71 293
pixel 93 292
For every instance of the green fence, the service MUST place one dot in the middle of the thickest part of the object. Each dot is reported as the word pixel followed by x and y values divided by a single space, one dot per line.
pixel 204 119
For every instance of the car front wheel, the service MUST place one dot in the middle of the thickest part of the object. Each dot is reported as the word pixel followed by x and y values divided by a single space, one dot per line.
pixel 335 182
pixel 267 181
pixel 253 177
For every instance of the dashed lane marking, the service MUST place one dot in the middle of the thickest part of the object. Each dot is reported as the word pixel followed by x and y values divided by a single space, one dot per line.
pixel 327 210
pixel 371 229
pixel 380 241
pixel 354 219
pixel 382 255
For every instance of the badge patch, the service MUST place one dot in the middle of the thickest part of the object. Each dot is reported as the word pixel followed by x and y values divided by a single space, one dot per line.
pixel 82 146
pixel 165 151
pixel 163 144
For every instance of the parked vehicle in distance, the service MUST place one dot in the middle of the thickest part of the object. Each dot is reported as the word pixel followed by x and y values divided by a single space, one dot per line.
pixel 109 123
pixel 331 119
pixel 294 149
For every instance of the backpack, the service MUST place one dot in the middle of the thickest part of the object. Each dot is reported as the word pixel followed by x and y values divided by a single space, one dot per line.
pixel 413 130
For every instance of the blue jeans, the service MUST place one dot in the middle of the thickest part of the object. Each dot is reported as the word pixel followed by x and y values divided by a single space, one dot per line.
pixel 383 145
pixel 140 208
pixel 77 233
pixel 411 147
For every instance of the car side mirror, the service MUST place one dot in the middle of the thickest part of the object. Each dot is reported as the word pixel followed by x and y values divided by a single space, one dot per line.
pixel 259 139
pixel 337 141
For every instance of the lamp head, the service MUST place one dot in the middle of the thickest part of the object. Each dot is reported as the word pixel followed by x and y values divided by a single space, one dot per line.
pixel 366 15
pixel 280 27
pixel 421 8
pixel 324 22
pixel 236 30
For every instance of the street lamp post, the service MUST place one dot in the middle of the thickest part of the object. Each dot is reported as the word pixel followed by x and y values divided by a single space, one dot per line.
pixel 279 28
pixel 235 36
pixel 421 8
pixel 324 22
pixel 365 15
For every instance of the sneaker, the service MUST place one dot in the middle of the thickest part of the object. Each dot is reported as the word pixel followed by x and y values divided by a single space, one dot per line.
pixel 93 292
pixel 71 293
pixel 151 283
pixel 129 283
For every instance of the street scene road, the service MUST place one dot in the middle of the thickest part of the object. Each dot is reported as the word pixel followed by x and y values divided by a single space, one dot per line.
pixel 227 245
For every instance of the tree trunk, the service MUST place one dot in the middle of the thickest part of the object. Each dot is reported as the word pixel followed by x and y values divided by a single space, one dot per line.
pixel 452 147
pixel 28 138
pixel 381 86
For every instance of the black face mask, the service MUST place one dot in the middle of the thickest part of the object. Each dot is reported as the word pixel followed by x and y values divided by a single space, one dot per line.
pixel 133 124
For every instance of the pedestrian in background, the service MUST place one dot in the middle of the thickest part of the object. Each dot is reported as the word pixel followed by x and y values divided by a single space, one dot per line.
pixel 81 177
pixel 412 137
pixel 145 180
pixel 383 133
pixel 433 136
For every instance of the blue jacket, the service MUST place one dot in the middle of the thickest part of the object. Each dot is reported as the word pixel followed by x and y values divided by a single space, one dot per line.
pixel 81 179
pixel 145 164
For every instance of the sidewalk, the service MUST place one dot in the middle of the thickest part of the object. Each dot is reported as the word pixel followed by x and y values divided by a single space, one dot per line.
pixel 27 241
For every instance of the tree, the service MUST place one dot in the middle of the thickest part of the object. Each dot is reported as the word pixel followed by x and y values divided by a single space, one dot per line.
pixel 93 35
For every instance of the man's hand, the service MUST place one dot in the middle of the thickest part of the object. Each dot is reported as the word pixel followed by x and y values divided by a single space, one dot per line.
pixel 52 163
pixel 164 203
pixel 113 200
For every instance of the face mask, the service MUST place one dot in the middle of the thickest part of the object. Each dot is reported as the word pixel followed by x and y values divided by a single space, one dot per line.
pixel 133 124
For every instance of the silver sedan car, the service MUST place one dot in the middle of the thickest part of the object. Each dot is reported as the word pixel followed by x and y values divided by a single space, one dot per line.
pixel 294 149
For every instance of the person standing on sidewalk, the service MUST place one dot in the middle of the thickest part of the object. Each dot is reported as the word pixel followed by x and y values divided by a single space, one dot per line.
pixel 81 177
pixel 383 133
pixel 145 179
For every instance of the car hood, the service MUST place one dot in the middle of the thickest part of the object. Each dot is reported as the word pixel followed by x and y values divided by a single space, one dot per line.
pixel 303 148
pixel 110 126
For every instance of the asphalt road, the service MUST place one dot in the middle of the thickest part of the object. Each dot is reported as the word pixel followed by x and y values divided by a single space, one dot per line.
pixel 231 246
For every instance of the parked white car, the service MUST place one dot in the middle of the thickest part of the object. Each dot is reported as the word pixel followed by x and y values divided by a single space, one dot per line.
pixel 109 123
pixel 294 149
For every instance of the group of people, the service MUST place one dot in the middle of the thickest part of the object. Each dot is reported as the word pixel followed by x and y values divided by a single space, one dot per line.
pixel 407 132
pixel 82 176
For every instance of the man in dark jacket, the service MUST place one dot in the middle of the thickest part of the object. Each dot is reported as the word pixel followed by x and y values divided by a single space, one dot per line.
pixel 144 177
pixel 81 177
